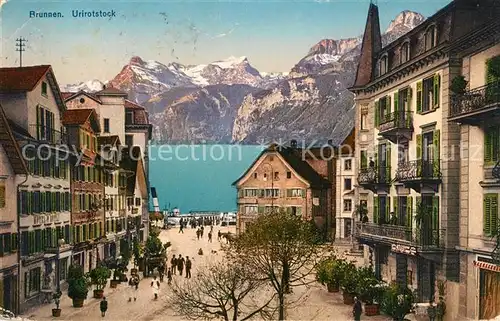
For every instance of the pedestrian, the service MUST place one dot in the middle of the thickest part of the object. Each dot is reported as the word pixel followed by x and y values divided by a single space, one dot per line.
pixel 173 262
pixel 211 227
pixel 181 227
pixel 210 236
pixel 357 309
pixel 202 229
pixel 103 306
pixel 180 264
pixel 219 235
pixel 161 271
pixel 188 267
pixel 198 234
pixel 155 284
pixel 132 291
pixel 169 275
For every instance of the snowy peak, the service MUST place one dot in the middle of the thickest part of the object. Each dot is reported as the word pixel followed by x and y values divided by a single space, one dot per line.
pixel 88 86
pixel 231 62
pixel 407 18
pixel 333 47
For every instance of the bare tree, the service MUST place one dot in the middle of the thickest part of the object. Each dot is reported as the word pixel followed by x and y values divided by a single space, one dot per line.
pixel 221 290
pixel 281 249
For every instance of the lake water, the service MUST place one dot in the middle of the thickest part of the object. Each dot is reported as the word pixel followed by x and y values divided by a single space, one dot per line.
pixel 199 177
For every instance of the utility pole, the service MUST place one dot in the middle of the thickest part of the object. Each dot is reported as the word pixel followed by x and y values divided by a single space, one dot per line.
pixel 20 44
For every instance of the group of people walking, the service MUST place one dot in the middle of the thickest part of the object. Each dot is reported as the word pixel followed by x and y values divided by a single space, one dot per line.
pixel 177 265
pixel 201 230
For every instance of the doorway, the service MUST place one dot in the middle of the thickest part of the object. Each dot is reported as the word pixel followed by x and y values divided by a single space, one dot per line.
pixel 489 294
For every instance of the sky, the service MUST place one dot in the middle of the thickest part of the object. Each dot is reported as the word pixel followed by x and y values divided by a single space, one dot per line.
pixel 273 34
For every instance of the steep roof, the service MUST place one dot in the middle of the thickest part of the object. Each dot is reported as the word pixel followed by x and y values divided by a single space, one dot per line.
pixel 79 117
pixel 292 157
pixel 131 105
pixel 69 96
pixel 11 146
pixel 113 140
pixel 111 91
pixel 23 79
pixel 370 47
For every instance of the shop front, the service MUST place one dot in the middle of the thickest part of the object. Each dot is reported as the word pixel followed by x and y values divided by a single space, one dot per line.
pixel 489 288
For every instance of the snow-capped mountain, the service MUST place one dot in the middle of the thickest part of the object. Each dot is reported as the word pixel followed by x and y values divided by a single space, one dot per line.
pixel 89 86
pixel 406 19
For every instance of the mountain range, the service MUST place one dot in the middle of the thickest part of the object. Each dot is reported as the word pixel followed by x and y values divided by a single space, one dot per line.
pixel 231 101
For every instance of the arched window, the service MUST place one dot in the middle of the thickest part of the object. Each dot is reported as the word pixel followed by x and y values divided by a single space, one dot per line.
pixel 383 65
pixel 430 37
pixel 404 52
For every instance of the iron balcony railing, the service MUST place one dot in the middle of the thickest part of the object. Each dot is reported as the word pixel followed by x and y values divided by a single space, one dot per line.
pixel 496 171
pixel 475 99
pixel 48 135
pixel 401 119
pixel 421 237
pixel 418 170
pixel 374 175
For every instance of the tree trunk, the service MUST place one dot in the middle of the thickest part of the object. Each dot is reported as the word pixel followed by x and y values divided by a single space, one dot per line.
pixel 282 306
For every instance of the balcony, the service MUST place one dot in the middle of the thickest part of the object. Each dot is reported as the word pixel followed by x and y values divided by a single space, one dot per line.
pixel 423 240
pixel 48 135
pixel 375 178
pixel 397 126
pixel 496 171
pixel 420 174
pixel 477 106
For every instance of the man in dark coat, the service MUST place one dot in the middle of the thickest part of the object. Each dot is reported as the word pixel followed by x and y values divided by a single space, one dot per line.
pixel 173 262
pixel 357 309
pixel 180 264
pixel 103 306
pixel 188 267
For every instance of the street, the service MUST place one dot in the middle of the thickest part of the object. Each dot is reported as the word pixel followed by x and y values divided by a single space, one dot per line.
pixel 311 302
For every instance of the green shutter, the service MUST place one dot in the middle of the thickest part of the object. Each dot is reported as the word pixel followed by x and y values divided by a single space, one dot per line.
pixel 377 113
pixel 409 96
pixel 418 203
pixel 387 107
pixel 375 159
pixel 388 161
pixel 304 193
pixel 409 212
pixel 419 155
pixel 375 210
pixel 419 97
pixel 38 125
pixel 395 205
pixel 54 202
pixel 364 159
pixel 396 102
pixel 436 144
pixel 494 214
pixel 486 215
pixel 488 145
pixel 436 87
pixel 387 209
pixel 435 213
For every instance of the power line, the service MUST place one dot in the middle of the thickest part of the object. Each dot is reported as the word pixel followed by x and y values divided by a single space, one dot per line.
pixel 20 44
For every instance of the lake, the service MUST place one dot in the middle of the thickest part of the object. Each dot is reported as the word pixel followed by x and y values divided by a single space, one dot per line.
pixel 199 177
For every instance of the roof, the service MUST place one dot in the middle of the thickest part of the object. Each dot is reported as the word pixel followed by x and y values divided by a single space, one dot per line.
pixel 111 91
pixel 292 157
pixel 10 146
pixel 79 117
pixel 129 162
pixel 69 96
pixel 113 140
pixel 131 105
pixel 21 78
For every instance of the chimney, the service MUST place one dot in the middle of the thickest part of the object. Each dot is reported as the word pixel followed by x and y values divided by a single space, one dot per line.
pixel 370 48
pixel 293 143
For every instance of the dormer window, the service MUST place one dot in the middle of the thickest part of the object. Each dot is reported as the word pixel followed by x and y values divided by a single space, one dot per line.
pixel 405 52
pixel 383 65
pixel 44 88
pixel 430 37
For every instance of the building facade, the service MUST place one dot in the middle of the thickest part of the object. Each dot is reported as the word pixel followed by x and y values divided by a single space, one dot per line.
pixel 33 105
pixel 345 207
pixel 281 179
pixel 12 163
pixel 476 108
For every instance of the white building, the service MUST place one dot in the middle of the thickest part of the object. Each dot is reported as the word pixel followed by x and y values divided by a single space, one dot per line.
pixel 345 207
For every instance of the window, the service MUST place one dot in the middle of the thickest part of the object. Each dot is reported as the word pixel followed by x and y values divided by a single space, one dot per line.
pixel 129 140
pixel 364 121
pixel 82 100
pixel 490 214
pixel 347 164
pixel 403 153
pixel 428 94
pixel 255 175
pixel 288 174
pixel 2 194
pixel 347 205
pixel 383 64
pixel 382 110
pixel 129 118
pixel 251 192
pixel 276 175
pixel 295 192
pixel 492 145
pixel 106 125
pixel 347 184
pixel 34 280
pixel 253 209
pixel 430 38
pixel 271 192
pixel 137 201
pixel 44 88
pixel 45 121
pixel 404 52
pixel 294 210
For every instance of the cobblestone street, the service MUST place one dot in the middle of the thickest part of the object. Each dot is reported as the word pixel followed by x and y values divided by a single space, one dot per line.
pixel 312 303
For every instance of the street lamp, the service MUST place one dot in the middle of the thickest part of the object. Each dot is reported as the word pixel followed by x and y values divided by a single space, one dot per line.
pixel 60 243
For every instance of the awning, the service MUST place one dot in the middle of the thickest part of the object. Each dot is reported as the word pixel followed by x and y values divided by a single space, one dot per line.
pixel 486 266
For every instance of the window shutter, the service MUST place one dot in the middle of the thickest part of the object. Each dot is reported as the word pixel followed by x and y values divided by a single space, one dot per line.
pixel 435 213
pixel 387 107
pixel 419 147
pixel 30 202
pixel 409 212
pixel 387 209
pixel 2 196
pixel 395 205
pixel 409 93
pixel 488 146
pixel 437 85
pixel 377 113
pixel 494 213
pixel 14 246
pixel 487 215
pixel 38 125
pixel 418 203
pixel 436 145
pixel 364 159
pixel 419 97
pixel 388 161
pixel 396 105
pixel 375 210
